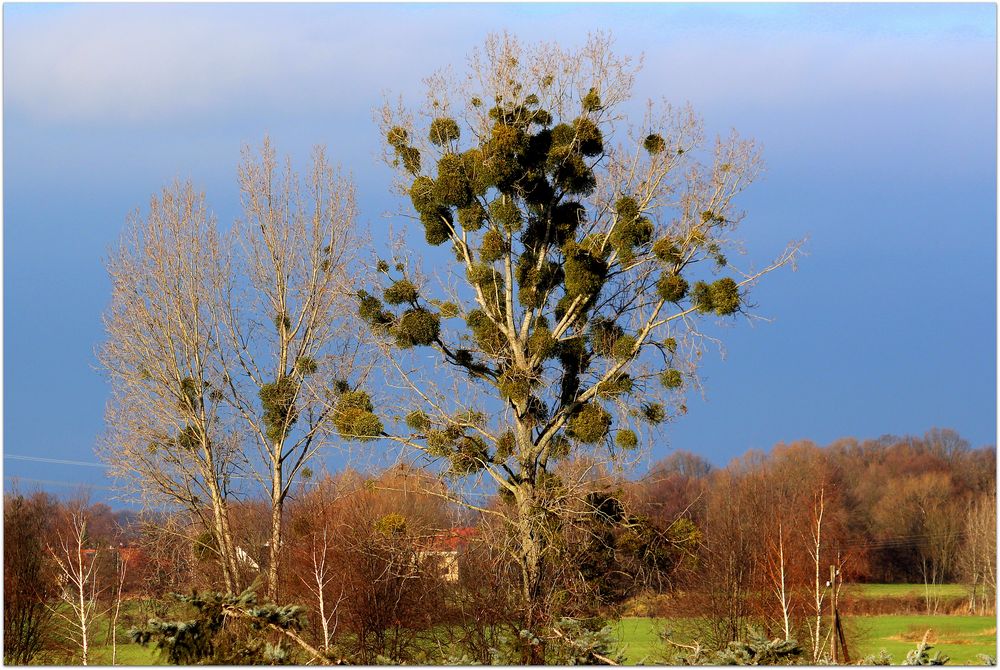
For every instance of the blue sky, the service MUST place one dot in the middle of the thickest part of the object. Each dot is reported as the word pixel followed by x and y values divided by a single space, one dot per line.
pixel 878 124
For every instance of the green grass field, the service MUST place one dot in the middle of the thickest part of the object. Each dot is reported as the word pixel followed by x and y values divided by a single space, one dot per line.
pixel 100 652
pixel 960 637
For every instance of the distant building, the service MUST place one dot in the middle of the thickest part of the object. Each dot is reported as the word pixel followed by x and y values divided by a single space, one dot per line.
pixel 443 551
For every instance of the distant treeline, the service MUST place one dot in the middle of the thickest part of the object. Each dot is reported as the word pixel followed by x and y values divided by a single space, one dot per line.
pixel 891 502
pixel 744 546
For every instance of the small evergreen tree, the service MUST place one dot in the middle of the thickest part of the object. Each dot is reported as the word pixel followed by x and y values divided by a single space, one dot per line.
pixel 207 639
pixel 922 654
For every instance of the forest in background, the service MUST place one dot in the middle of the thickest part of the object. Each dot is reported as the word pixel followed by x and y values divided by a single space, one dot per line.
pixel 368 555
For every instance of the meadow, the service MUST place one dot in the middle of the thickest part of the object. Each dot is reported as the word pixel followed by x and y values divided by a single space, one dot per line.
pixel 962 638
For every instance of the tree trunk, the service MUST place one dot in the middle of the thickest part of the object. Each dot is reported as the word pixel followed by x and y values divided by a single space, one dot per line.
pixel 224 539
pixel 274 550
pixel 531 539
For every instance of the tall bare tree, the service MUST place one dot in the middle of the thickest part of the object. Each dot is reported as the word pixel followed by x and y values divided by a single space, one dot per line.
pixel 225 350
pixel 290 344
pixel 168 436
pixel 585 254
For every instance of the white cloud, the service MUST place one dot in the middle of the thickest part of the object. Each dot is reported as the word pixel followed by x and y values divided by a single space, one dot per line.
pixel 153 63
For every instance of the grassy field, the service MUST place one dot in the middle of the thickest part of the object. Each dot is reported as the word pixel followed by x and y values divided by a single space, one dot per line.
pixel 960 637
pixel 100 646
pixel 906 590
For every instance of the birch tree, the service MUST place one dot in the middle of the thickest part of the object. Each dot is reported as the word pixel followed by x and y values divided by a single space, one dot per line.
pixel 777 572
pixel 819 586
pixel 562 318
pixel 78 606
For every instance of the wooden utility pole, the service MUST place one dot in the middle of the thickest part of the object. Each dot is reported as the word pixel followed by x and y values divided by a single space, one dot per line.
pixel 836 629
pixel 834 619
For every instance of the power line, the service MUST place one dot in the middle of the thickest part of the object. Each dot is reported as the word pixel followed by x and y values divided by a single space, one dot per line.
pixel 57 461
pixel 52 482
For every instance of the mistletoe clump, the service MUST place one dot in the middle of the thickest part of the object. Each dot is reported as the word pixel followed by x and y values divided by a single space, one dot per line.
pixel 672 379
pixel 604 333
pixel 278 402
pixel 472 217
pixel 444 130
pixel 486 333
pixel 592 101
pixel 725 296
pixel 189 437
pixel 355 418
pixel 623 347
pixel 416 327
pixel 722 297
pixel 654 143
pixel 306 365
pixel 418 421
pixel 515 385
pixel 619 384
pixel 401 292
pixel 668 251
pixel 452 186
pixel 505 212
pixel 626 439
pixel 469 456
pixel 505 445
pixel 494 246
pixel 701 297
pixel 585 274
pixel 653 413
pixel 373 312
pixel 590 424
pixel 542 344
pixel 672 287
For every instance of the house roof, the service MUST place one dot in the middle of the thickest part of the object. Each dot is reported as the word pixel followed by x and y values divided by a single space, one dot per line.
pixel 452 539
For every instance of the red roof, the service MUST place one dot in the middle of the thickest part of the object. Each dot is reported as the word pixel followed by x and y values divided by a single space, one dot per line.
pixel 452 539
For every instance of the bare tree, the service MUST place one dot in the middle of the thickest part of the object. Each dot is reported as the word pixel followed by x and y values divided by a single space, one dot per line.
pixel 289 346
pixel 574 240
pixel 168 438
pixel 78 573
pixel 27 578
pixel 978 556
pixel 777 572
pixel 319 581
pixel 224 350
pixel 819 587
